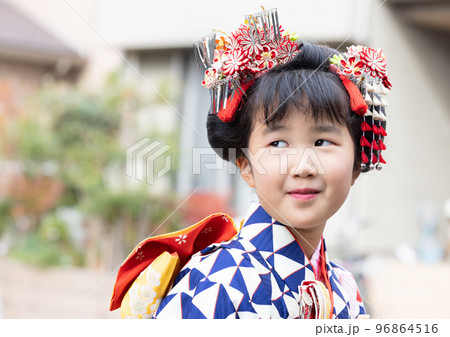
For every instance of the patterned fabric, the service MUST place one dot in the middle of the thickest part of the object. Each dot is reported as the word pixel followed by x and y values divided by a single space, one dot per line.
pixel 255 275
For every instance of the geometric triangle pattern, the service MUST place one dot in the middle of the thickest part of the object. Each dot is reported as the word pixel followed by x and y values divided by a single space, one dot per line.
pixel 257 274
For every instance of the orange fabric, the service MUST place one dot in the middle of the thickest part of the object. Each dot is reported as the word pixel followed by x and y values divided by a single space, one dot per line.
pixel 217 227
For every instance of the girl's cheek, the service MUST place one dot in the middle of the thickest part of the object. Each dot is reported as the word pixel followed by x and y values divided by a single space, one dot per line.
pixel 271 161
pixel 267 164
pixel 338 169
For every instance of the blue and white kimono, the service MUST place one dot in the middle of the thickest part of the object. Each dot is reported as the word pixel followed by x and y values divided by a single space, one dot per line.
pixel 257 274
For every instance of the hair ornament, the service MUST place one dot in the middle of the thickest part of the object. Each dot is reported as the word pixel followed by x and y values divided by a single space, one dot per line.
pixel 363 73
pixel 232 62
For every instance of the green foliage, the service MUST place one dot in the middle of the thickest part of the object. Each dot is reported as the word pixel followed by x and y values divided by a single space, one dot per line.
pixel 137 211
pixel 5 215
pixel 49 245
pixel 76 131
pixel 33 142
pixel 73 136
pixel 116 205
pixel 54 229
pixel 85 120
pixel 86 130
pixel 172 139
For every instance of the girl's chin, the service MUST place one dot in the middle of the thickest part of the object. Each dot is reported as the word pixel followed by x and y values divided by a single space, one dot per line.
pixel 303 224
pixel 305 227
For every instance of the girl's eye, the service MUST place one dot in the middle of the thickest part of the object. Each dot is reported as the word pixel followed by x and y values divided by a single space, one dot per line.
pixel 322 142
pixel 279 143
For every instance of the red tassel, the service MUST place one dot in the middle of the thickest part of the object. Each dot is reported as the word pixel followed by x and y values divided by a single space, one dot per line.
pixel 228 114
pixel 382 160
pixel 375 145
pixel 376 131
pixel 382 146
pixel 374 159
pixel 365 126
pixel 364 141
pixel 364 157
pixel 382 131
pixel 357 102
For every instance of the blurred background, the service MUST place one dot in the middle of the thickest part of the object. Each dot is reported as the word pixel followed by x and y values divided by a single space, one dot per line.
pixel 83 81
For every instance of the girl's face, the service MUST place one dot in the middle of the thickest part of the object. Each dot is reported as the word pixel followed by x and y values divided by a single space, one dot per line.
pixel 301 170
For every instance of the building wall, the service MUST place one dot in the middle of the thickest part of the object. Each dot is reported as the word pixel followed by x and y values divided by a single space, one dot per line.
pixel 20 79
pixel 137 24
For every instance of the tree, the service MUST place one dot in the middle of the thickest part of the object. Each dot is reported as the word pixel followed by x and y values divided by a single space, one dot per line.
pixel 67 142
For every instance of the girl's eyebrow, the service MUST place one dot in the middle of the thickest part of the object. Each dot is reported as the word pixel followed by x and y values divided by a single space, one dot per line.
pixel 330 128
pixel 327 128
pixel 273 128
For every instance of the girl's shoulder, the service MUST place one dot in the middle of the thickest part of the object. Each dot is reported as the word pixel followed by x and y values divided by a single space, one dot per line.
pixel 218 258
pixel 216 283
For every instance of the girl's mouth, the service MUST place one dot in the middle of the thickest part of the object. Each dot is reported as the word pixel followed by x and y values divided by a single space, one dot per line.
pixel 304 194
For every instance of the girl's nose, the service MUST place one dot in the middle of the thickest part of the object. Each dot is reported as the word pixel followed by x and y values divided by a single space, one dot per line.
pixel 305 164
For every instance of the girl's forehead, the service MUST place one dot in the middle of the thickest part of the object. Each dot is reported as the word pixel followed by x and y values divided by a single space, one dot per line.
pixel 293 116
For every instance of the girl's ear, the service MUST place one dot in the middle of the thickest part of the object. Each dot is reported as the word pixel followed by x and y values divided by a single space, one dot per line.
pixel 246 170
pixel 355 176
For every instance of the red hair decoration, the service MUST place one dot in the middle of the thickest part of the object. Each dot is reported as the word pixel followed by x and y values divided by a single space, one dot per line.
pixel 376 131
pixel 357 102
pixel 375 145
pixel 364 157
pixel 365 126
pixel 228 113
pixel 364 142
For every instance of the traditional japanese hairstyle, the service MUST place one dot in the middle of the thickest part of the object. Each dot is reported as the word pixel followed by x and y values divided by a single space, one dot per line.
pixel 234 62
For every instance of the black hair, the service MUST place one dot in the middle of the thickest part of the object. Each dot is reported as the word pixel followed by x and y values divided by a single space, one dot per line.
pixel 305 82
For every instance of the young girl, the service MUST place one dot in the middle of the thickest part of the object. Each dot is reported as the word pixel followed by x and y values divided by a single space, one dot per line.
pixel 301 132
